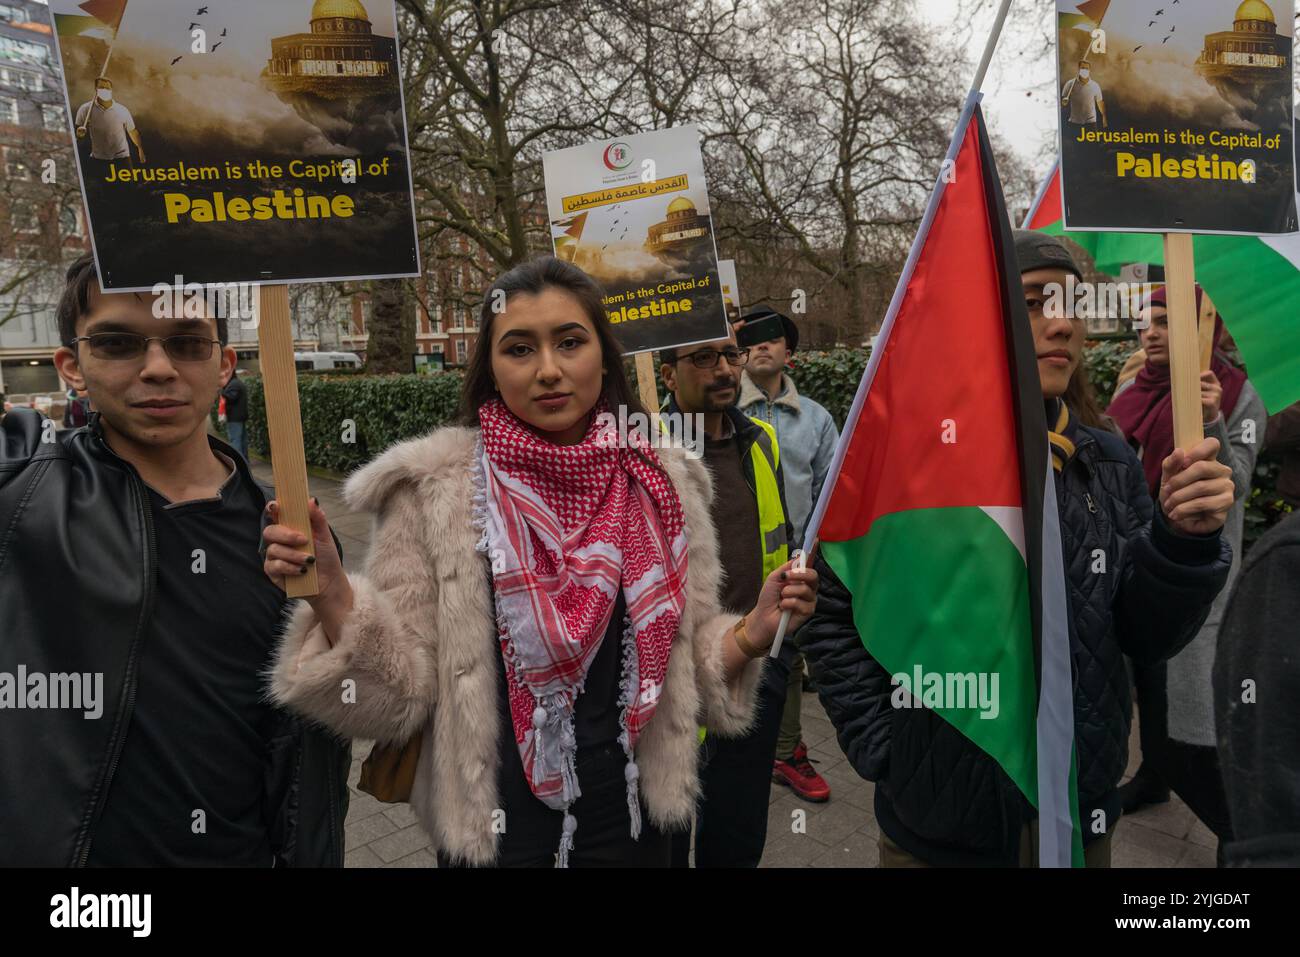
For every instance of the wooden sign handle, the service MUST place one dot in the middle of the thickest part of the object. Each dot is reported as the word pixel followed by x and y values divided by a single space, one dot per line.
pixel 1184 342
pixel 284 424
pixel 1209 316
pixel 645 381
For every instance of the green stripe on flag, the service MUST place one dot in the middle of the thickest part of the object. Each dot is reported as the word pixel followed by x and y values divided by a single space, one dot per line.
pixel 1255 288
pixel 945 589
pixel 72 25
pixel 1257 291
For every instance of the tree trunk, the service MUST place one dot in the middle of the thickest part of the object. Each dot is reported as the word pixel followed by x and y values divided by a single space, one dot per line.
pixel 392 328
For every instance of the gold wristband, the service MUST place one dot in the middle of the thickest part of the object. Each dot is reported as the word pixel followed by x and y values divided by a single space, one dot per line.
pixel 742 640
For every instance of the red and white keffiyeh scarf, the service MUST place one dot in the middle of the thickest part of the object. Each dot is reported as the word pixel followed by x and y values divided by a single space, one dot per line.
pixel 565 528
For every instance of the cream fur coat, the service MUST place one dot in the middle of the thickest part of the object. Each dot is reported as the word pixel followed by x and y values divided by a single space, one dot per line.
pixel 421 639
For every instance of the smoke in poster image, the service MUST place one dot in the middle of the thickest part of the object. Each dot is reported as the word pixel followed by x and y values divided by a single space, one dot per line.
pixel 1177 117
pixel 239 140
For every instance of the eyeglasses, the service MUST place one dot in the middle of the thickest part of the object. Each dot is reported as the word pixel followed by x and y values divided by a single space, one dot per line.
pixel 708 358
pixel 129 345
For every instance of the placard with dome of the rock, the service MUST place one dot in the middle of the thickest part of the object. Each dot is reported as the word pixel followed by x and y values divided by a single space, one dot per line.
pixel 1177 117
pixel 239 141
pixel 634 213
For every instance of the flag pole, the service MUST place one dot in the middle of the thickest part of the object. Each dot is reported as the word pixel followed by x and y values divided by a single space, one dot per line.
pixel 973 98
pixel 116 30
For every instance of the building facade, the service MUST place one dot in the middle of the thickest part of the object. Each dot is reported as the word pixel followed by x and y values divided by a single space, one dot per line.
pixel 1253 45
pixel 42 220
pixel 341 43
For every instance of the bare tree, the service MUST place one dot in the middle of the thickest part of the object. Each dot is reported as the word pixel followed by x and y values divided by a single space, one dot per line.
pixel 836 131
pixel 392 329
pixel 41 219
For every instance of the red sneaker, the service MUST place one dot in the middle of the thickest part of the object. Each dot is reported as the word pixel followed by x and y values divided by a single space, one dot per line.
pixel 799 776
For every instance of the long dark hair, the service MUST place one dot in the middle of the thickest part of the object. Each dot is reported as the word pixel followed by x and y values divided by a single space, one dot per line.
pixel 1082 401
pixel 534 276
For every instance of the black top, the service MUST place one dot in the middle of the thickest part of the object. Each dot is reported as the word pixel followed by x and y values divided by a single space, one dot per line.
pixel 236 394
pixel 198 737
pixel 735 516
pixel 596 712
pixel 533 829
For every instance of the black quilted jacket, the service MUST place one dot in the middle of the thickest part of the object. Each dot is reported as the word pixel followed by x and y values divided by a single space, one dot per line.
pixel 941 798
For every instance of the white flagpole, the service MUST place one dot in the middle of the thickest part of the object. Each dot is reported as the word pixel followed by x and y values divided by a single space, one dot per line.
pixel 973 98
pixel 118 29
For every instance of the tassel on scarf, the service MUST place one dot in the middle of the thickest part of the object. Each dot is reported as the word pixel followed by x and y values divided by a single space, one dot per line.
pixel 566 839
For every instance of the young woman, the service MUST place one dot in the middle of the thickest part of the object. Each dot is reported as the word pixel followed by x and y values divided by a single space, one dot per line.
pixel 1175 700
pixel 540 600
pixel 939 799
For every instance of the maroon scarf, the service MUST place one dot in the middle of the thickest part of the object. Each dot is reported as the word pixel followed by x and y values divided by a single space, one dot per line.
pixel 1145 410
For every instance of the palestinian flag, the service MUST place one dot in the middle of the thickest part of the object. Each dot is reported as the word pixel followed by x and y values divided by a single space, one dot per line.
pixel 1253 280
pixel 68 25
pixel 565 234
pixel 1087 16
pixel 941 516
pixel 104 17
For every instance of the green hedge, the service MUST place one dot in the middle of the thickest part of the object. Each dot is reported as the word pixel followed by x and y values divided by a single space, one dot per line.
pixel 348 420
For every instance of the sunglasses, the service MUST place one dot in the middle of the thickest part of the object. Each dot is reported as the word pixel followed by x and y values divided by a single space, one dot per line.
pixel 115 346
pixel 708 358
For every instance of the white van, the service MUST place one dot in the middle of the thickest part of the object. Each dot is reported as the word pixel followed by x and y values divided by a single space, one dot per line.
pixel 309 361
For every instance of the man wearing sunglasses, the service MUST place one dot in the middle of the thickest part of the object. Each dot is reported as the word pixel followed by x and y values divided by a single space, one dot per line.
pixel 749 512
pixel 169 623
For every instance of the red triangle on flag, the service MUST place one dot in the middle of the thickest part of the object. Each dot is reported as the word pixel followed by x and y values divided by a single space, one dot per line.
pixel 1094 10
pixel 106 11
pixel 938 426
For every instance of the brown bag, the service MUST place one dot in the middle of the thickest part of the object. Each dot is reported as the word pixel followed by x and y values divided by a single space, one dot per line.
pixel 389 772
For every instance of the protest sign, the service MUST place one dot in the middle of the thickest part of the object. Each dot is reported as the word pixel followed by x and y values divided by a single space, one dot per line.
pixel 241 143
pixel 1177 119
pixel 634 214
pixel 730 288
pixel 248 142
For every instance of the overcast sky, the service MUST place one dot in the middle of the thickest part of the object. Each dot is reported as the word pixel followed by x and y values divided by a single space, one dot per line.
pixel 1019 93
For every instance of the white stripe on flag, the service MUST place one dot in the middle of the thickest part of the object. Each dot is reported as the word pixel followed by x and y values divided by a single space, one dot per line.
pixel 1055 724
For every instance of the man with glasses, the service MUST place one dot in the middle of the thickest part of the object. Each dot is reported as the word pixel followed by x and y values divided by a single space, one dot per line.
pixel 808 437
pixel 168 754
pixel 749 513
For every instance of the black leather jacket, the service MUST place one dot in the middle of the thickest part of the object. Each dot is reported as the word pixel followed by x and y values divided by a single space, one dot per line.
pixel 77 578
pixel 940 797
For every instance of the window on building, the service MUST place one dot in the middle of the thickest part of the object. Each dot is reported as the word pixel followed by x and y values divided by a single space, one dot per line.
pixel 437 318
pixel 24 51
pixel 70 222
pixel 21 80
pixel 16 167
pixel 461 351
pixel 8 110
pixel 26 218
pixel 52 115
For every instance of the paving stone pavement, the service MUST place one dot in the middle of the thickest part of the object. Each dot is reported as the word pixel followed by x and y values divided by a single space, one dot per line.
pixel 840 833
